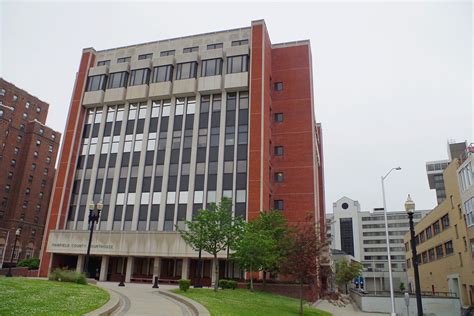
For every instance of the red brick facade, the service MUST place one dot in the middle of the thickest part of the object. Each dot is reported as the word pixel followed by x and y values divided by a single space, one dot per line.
pixel 27 160
pixel 302 190
pixel 68 159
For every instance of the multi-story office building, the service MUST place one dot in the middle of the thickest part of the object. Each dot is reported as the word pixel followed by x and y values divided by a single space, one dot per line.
pixel 159 130
pixel 27 159
pixel 444 255
pixel 434 169
pixel 466 185
pixel 362 235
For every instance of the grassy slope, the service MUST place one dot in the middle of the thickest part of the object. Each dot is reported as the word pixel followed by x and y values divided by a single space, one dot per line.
pixel 21 296
pixel 244 302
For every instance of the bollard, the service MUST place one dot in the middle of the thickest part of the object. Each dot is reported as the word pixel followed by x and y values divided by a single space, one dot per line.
pixel 155 284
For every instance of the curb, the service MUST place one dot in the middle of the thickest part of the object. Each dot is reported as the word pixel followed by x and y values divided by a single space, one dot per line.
pixel 108 308
pixel 195 307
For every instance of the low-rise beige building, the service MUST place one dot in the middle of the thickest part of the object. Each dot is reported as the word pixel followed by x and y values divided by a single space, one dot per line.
pixel 444 255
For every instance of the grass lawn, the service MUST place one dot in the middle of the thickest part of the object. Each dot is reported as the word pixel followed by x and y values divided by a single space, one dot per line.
pixel 21 296
pixel 244 302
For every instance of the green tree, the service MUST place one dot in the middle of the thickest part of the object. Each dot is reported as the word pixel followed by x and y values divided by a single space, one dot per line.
pixel 209 231
pixel 274 225
pixel 346 271
pixel 254 250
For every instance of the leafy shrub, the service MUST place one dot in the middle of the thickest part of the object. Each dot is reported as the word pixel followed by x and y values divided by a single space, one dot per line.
pixel 184 285
pixel 228 284
pixel 31 263
pixel 67 276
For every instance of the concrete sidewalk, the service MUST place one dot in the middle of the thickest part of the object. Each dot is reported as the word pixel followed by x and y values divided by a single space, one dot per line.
pixel 348 310
pixel 142 299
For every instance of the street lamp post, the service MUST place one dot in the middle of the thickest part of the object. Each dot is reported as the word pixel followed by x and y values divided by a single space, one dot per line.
pixel 94 215
pixel 392 297
pixel 17 234
pixel 410 209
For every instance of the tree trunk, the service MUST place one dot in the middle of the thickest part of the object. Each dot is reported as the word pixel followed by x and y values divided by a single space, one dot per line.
pixel 346 288
pixel 251 278
pixel 227 265
pixel 216 271
pixel 301 297
pixel 264 278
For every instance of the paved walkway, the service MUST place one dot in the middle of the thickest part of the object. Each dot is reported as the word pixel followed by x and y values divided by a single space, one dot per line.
pixel 348 310
pixel 142 299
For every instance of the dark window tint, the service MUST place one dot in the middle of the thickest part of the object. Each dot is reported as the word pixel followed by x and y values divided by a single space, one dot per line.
pixel 278 205
pixel 279 117
pixel 118 80
pixel 278 86
pixel 190 49
pixel 214 46
pixel 145 56
pixel 237 64
pixel 95 83
pixel 186 70
pixel 167 53
pixel 240 42
pixel 278 150
pixel 162 73
pixel 278 176
pixel 103 63
pixel 211 67
pixel 139 76
pixel 123 60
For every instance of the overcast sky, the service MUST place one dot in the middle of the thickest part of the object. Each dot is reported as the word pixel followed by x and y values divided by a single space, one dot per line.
pixel 392 81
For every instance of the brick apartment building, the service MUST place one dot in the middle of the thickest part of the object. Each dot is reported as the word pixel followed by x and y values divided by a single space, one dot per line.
pixel 158 130
pixel 27 162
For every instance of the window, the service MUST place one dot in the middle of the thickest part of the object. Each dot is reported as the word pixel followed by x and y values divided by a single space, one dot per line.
pixel 278 150
pixel 145 56
pixel 123 60
pixel 211 67
pixel 445 221
pixel 103 63
pixel 237 64
pixel 7 188
pixel 27 105
pixel 13 163
pixel 25 115
pixel 33 166
pixel 278 176
pixel 279 117
pixel 214 46
pixel 15 97
pixel 431 254
pixel 278 205
pixel 469 209
pixel 278 86
pixel 95 83
pixel 50 149
pixel 2 92
pixel 48 160
pixel 240 42
pixel 167 53
pixel 190 49
pixel 428 233
pixel 45 172
pixel 162 73
pixel 448 246
pixel 439 252
pixel 53 136
pixel 436 228
pixel 17 150
pixel 118 80
pixel 35 154
pixel 41 131
pixel 38 109
pixel 186 70
pixel 1 113
pixel 139 76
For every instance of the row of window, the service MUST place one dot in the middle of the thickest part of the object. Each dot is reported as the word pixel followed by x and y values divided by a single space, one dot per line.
pixel 15 99
pixel 433 230
pixel 434 253
pixel 173 52
pixel 466 177
pixel 210 67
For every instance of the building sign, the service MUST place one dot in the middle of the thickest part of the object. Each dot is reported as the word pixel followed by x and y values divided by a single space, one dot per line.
pixel 80 246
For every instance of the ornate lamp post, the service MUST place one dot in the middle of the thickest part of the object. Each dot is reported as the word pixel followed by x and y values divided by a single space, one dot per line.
pixel 410 209
pixel 17 234
pixel 94 215
pixel 392 296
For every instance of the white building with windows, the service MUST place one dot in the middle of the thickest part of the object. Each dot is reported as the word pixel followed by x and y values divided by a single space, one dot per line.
pixel 362 235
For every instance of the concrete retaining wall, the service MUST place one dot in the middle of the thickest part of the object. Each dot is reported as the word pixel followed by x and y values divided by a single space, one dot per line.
pixel 435 306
